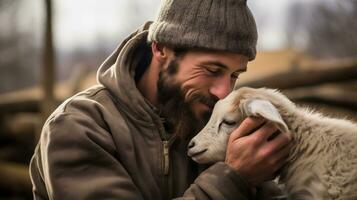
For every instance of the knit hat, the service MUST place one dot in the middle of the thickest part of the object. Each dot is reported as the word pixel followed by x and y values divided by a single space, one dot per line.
pixel 223 25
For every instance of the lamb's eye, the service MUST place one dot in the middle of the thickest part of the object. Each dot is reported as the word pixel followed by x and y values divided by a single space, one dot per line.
pixel 229 122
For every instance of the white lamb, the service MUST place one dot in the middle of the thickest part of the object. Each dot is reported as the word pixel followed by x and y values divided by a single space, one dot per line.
pixel 323 160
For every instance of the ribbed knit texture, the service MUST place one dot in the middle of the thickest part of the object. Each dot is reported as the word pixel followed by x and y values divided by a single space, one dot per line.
pixel 223 25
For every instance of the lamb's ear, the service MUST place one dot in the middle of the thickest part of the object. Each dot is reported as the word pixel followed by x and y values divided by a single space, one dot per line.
pixel 265 109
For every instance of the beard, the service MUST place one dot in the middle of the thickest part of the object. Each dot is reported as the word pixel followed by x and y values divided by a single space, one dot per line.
pixel 177 111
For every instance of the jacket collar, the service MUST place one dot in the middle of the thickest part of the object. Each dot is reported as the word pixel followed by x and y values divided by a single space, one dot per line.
pixel 118 71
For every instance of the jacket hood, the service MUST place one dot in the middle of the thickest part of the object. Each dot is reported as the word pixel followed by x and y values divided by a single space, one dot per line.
pixel 118 71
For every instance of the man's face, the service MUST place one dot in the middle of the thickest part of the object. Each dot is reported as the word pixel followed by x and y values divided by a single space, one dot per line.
pixel 189 86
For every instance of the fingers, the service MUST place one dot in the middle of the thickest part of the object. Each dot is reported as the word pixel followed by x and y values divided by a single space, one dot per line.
pixel 246 127
pixel 281 157
pixel 265 132
pixel 279 142
pixel 275 150
pixel 258 156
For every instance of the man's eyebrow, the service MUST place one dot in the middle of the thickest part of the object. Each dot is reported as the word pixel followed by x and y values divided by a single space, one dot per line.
pixel 219 64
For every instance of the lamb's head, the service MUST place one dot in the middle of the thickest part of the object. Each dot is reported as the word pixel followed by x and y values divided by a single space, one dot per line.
pixel 209 145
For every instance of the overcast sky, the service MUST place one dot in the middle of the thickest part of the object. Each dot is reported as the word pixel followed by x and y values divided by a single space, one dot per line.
pixel 85 22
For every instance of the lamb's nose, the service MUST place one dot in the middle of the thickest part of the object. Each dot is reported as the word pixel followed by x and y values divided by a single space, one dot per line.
pixel 191 144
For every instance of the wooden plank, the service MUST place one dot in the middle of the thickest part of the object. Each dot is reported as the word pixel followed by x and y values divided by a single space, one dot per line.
pixel 340 72
pixel 15 178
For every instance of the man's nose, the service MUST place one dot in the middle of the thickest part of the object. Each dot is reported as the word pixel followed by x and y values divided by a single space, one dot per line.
pixel 221 88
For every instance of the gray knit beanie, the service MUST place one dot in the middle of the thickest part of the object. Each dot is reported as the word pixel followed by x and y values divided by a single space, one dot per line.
pixel 223 25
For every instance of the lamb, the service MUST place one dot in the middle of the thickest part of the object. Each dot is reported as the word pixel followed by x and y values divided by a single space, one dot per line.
pixel 322 163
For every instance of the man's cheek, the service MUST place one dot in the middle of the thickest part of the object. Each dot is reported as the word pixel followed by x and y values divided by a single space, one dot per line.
pixel 186 94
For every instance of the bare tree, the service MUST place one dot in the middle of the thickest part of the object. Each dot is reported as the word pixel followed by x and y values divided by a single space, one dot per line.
pixel 328 28
pixel 17 49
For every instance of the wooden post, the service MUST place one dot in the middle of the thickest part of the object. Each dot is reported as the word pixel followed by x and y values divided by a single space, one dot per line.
pixel 48 69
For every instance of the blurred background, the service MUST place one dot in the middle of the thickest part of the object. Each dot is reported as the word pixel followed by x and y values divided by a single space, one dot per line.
pixel 50 50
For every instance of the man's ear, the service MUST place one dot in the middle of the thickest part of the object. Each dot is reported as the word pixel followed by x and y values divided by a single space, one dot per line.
pixel 160 52
pixel 265 109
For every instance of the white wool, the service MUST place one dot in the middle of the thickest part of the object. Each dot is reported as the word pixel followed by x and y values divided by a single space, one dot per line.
pixel 323 160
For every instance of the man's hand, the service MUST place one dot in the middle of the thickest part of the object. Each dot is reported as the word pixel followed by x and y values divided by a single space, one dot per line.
pixel 253 154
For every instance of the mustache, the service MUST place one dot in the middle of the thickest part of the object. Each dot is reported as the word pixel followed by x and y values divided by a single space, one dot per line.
pixel 209 100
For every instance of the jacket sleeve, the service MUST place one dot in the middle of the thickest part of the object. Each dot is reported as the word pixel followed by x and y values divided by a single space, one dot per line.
pixel 218 182
pixel 76 160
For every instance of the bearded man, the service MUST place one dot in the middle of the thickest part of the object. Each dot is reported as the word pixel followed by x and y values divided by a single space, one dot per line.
pixel 126 138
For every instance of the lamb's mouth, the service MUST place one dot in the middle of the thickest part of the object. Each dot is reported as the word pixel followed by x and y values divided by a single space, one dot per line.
pixel 195 154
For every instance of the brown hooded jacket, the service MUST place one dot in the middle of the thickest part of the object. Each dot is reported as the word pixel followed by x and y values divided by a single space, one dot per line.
pixel 109 143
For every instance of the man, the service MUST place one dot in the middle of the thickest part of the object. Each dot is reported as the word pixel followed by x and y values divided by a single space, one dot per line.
pixel 127 137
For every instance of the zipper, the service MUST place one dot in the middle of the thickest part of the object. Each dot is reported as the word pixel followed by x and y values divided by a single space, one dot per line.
pixel 166 141
pixel 167 177
pixel 166 157
pixel 166 154
pixel 165 168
